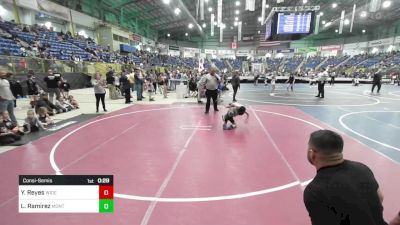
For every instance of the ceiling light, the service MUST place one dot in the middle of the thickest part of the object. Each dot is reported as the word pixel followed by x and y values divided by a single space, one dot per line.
pixel 267 6
pixel 190 26
pixel 215 23
pixel 346 22
pixel 336 31
pixel 177 11
pixel 223 26
pixel 321 13
pixel 235 23
pixel 334 5
pixel 206 1
pixel 363 31
pixel 166 1
pixel 231 28
pixel 363 14
pixel 237 12
pixel 323 22
pixel 236 18
pixel 386 4
pixel 186 34
pixel 328 24
pixel 237 3
pixel 204 25
pixel 304 1
pixel 168 35
pixel 259 19
pixel 259 32
pixel 210 9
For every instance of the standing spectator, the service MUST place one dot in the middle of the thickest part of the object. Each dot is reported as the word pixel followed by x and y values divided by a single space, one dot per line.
pixel 211 81
pixel 52 81
pixel 6 97
pixel 343 191
pixel 377 81
pixel 33 88
pixel 322 77
pixel 99 85
pixel 15 87
pixel 126 87
pixel 139 84
pixel 110 84
pixel 165 84
pixel 65 87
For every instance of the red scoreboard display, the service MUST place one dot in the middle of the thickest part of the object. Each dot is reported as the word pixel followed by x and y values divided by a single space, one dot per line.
pixel 66 194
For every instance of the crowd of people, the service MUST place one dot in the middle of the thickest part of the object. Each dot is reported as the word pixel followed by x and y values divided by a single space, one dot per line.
pixel 43 104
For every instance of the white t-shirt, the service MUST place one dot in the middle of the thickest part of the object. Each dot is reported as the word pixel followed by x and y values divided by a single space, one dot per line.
pixel 5 91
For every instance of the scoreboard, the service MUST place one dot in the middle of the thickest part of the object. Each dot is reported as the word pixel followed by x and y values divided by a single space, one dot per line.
pixel 66 194
pixel 294 23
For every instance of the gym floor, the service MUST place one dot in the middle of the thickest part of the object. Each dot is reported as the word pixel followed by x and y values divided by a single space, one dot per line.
pixel 172 164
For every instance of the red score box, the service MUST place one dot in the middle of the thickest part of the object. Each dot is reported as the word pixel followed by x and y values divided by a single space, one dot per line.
pixel 106 192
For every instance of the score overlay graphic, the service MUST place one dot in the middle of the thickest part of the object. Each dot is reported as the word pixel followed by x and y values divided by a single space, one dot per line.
pixel 66 194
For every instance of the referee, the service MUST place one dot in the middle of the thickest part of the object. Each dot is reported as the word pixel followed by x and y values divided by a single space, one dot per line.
pixel 211 81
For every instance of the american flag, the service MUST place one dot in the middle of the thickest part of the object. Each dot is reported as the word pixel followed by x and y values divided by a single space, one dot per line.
pixel 266 43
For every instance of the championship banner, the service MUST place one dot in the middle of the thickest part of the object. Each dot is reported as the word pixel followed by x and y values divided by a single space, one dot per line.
pixel 250 5
pixel 240 31
pixel 219 13
pixel 341 22
pixel 201 9
pixel 221 34
pixel 263 12
pixel 212 24
pixel 352 18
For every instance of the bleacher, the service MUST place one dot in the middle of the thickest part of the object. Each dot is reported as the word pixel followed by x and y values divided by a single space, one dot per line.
pixel 291 64
pixel 9 47
pixel 313 62
pixel 334 61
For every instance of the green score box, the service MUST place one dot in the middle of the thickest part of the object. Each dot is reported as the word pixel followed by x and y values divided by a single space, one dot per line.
pixel 106 205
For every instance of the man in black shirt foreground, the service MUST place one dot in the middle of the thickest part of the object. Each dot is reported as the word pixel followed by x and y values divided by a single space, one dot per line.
pixel 343 192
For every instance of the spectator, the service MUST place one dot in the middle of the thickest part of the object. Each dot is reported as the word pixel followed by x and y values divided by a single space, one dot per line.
pixel 33 88
pixel 125 87
pixel 343 191
pixel 44 102
pixel 99 85
pixel 6 97
pixel 73 102
pixel 111 84
pixel 16 88
pixel 65 87
pixel 32 123
pixel 138 84
pixel 9 124
pixel 7 136
pixel 44 117
pixel 52 82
